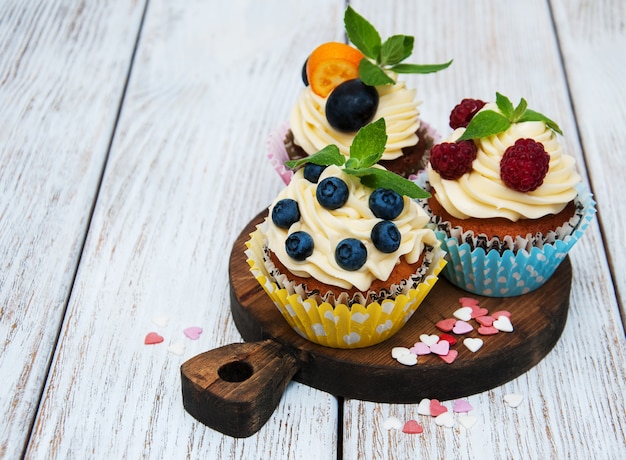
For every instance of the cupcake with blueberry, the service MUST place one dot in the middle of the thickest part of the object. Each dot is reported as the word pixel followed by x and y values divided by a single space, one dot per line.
pixel 345 88
pixel 507 201
pixel 344 252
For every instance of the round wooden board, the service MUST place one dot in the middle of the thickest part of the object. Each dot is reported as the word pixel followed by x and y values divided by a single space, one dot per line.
pixel 371 373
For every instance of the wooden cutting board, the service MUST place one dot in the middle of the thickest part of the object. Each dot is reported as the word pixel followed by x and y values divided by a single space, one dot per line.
pixel 234 389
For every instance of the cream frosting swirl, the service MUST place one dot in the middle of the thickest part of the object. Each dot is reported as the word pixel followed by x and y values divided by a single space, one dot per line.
pixel 353 220
pixel 482 194
pixel 396 105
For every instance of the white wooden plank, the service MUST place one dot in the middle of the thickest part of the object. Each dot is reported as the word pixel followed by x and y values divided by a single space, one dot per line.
pixel 593 44
pixel 578 388
pixel 59 92
pixel 187 171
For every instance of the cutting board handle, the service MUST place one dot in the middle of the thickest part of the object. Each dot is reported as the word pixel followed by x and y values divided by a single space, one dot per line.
pixel 234 389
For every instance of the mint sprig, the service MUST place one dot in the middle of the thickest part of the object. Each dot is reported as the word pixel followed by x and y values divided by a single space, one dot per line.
pixel 489 122
pixel 382 56
pixel 366 150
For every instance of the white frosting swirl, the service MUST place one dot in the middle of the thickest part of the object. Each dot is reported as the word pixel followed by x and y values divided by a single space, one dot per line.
pixel 396 105
pixel 353 220
pixel 482 194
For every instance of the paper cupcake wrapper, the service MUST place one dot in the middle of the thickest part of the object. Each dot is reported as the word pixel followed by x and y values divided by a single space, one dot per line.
pixel 277 152
pixel 512 272
pixel 341 326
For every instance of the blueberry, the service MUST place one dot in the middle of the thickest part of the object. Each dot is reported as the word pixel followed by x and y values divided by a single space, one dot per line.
pixel 305 78
pixel 312 172
pixel 285 213
pixel 299 245
pixel 351 105
pixel 332 193
pixel 386 236
pixel 350 254
pixel 386 204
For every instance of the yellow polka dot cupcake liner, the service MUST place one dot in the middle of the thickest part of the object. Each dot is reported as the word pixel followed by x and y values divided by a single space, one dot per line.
pixel 342 326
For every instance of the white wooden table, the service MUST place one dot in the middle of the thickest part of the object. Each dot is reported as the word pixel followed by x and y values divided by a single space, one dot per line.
pixel 132 153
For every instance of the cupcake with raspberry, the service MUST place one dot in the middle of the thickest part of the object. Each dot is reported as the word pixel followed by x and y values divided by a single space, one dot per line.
pixel 347 87
pixel 507 202
pixel 344 252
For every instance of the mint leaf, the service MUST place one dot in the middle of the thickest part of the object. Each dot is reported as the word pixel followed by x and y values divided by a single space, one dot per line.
pixel 363 34
pixel 329 155
pixel 531 115
pixel 372 75
pixel 368 145
pixel 381 178
pixel 485 123
pixel 519 110
pixel 419 68
pixel 505 105
pixel 396 49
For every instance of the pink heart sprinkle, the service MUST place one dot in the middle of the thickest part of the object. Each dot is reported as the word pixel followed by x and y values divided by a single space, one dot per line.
pixel 468 301
pixel 412 427
pixel 485 320
pixel 487 330
pixel 461 327
pixel 497 314
pixel 448 338
pixel 446 325
pixel 450 357
pixel 193 332
pixel 152 338
pixel 478 311
pixel 420 348
pixel 436 408
pixel 440 348
pixel 461 406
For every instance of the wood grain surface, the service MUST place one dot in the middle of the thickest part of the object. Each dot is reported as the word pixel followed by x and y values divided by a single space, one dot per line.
pixel 132 154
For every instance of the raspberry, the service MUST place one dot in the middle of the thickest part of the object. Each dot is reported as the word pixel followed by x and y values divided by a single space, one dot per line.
pixel 524 165
pixel 464 111
pixel 453 159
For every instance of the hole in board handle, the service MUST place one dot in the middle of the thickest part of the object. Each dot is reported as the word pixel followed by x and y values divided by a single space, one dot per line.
pixel 235 371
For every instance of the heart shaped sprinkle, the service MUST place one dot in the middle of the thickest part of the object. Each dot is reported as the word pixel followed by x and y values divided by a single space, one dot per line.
pixel 392 423
pixel 468 301
pixel 448 338
pixel 467 421
pixel 420 348
pixel 463 313
pixel 461 406
pixel 436 408
pixel 501 313
pixel 412 427
pixel 176 348
pixel 446 419
pixel 396 352
pixel 513 399
pixel 450 357
pixel 462 327
pixel 473 344
pixel 485 320
pixel 503 323
pixel 441 348
pixel 429 339
pixel 446 325
pixel 478 311
pixel 160 320
pixel 487 330
pixel 423 408
pixel 193 332
pixel 152 338
pixel 407 360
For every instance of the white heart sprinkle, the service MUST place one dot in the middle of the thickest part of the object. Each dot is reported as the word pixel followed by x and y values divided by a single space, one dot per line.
pixel 429 339
pixel 513 399
pixel 423 408
pixel 503 324
pixel 408 360
pixel 463 313
pixel 396 352
pixel 467 421
pixel 473 344
pixel 392 423
pixel 161 320
pixel 446 419
pixel 176 348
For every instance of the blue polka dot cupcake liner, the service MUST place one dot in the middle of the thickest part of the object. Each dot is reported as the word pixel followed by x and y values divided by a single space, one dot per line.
pixel 515 271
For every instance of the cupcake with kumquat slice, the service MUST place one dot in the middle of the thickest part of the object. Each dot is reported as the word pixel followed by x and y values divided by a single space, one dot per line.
pixel 344 252
pixel 346 87
pixel 507 202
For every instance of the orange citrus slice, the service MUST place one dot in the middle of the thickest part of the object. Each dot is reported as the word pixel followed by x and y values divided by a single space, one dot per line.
pixel 330 64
